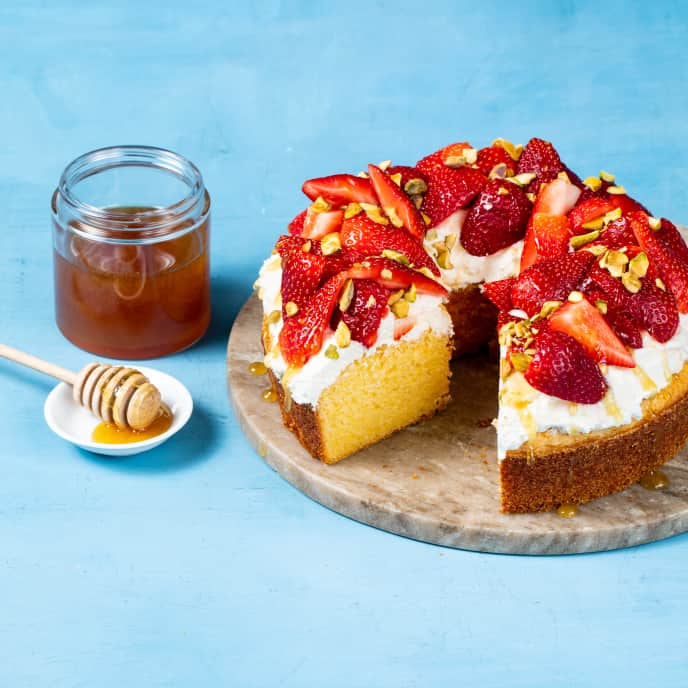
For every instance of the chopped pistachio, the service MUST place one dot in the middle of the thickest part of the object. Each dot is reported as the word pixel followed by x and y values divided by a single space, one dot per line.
pixel 400 308
pixel 593 183
pixel 597 223
pixel 616 190
pixel 660 284
pixel 396 178
pixel 502 191
pixel 631 282
pixel 639 265
pixel 444 261
pixel 307 246
pixel 520 361
pixel 607 177
pixel 410 294
pixel 320 205
pixel 346 296
pixel 611 216
pixel 498 171
pixel 596 250
pixel 564 176
pixel 331 352
pixel 342 335
pixel 386 274
pixel 371 301
pixel 427 272
pixel 426 219
pixel 522 179
pixel 395 256
pixel 417 200
pixel 393 217
pixel 374 212
pixel 601 306
pixel 615 262
pixel 531 197
pixel 385 165
pixel 654 222
pixel 352 210
pixel 415 186
pixel 548 307
pixel 513 151
pixel 431 235
pixel 582 239
pixel 291 308
pixel 576 297
pixel 504 369
pixel 395 296
pixel 362 175
pixel 274 317
pixel 450 241
pixel 455 161
pixel 330 243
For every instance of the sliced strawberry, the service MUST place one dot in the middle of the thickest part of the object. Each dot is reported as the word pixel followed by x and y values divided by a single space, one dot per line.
pixel 393 197
pixel 588 210
pixel 437 159
pixel 550 234
pixel 626 329
pixel 317 225
pixel 587 326
pixel 403 326
pixel 562 368
pixel 392 275
pixel 673 271
pixel 497 219
pixel 449 190
pixel 489 158
pixel 407 174
pixel 338 262
pixel 301 275
pixel 618 234
pixel 499 292
pixel 540 158
pixel 302 334
pixel 296 225
pixel 365 237
pixel 672 240
pixel 364 314
pixel 550 280
pixel 628 204
pixel 558 197
pixel 340 189
pixel 651 308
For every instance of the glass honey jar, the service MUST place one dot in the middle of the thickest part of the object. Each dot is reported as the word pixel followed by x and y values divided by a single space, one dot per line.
pixel 131 252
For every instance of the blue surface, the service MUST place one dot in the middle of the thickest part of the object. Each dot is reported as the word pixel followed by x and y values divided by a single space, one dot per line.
pixel 196 565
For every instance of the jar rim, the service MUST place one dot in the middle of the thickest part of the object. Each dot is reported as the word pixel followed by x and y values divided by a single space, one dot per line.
pixel 102 159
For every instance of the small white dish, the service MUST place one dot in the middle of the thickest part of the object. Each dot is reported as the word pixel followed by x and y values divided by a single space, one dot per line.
pixel 75 424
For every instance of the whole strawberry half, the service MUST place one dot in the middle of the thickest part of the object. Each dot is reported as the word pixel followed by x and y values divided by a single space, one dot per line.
pixel 540 158
pixel 407 174
pixel 364 237
pixel 618 234
pixel 340 189
pixel 562 368
pixel 296 225
pixel 499 292
pixel 364 314
pixel 450 190
pixel 301 276
pixel 302 334
pixel 672 240
pixel 550 280
pixel 490 157
pixel 497 219
pixel 437 159
pixel 672 270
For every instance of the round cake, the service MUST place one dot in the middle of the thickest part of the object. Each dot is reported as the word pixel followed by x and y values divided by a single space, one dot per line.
pixel 581 292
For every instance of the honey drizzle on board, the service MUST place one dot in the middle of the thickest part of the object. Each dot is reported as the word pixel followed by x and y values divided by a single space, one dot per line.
pixel 567 510
pixel 654 480
pixel 257 368
pixel 109 433
pixel 269 395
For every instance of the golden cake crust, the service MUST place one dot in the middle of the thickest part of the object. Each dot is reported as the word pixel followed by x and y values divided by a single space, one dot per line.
pixel 556 469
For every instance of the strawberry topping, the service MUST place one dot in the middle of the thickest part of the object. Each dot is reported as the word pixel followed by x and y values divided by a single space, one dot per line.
pixel 550 280
pixel 296 225
pixel 587 326
pixel 497 219
pixel 450 190
pixel 540 158
pixel 589 210
pixel 364 237
pixel 392 275
pixel 340 189
pixel 673 271
pixel 438 159
pixel 301 276
pixel 562 368
pixel 317 225
pixel 407 174
pixel 489 158
pixel 499 292
pixel 364 314
pixel 302 334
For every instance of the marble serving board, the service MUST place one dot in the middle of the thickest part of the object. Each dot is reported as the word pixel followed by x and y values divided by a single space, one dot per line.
pixel 438 481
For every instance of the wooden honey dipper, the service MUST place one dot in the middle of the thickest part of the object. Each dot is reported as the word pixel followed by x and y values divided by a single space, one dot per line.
pixel 116 394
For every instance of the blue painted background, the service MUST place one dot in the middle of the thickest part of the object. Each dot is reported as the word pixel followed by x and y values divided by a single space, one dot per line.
pixel 195 565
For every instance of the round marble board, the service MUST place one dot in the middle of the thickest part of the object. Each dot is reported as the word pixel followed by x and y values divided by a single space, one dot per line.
pixel 437 481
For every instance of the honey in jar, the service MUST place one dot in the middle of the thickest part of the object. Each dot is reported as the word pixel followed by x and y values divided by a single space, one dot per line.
pixel 131 280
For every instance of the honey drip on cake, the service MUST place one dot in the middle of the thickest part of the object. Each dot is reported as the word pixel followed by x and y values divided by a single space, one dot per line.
pixel 645 380
pixel 654 480
pixel 109 433
pixel 567 510
pixel 257 368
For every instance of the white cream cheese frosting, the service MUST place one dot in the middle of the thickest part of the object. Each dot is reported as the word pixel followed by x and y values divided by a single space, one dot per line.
pixel 308 383
pixel 524 411
pixel 468 269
